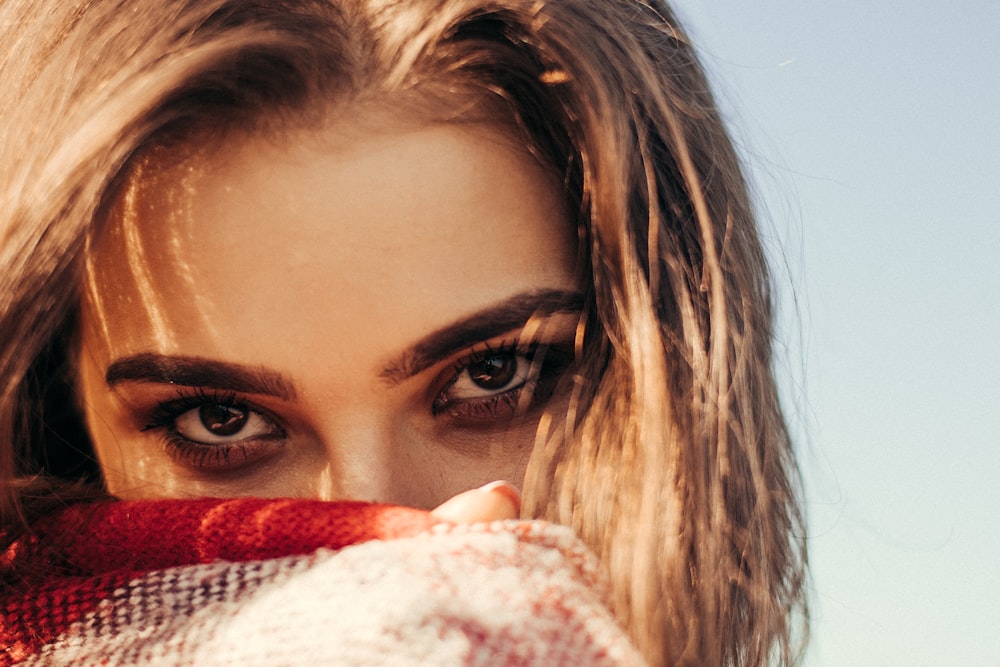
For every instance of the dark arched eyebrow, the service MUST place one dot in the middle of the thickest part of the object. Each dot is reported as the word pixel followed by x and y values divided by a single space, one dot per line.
pixel 200 372
pixel 512 313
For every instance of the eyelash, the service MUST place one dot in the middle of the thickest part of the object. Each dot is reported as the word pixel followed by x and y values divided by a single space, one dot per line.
pixel 205 455
pixel 485 410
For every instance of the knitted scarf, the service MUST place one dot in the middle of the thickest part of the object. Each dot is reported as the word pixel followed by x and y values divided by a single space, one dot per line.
pixel 296 582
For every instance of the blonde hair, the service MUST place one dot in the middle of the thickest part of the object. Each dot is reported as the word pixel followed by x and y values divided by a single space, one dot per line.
pixel 673 462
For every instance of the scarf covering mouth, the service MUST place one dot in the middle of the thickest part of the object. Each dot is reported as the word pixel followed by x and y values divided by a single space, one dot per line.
pixel 252 581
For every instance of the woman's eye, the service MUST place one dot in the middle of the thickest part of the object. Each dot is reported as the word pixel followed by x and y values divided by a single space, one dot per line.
pixel 492 387
pixel 491 375
pixel 217 423
pixel 215 433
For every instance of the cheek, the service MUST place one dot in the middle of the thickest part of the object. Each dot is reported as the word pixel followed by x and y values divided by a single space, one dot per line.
pixel 471 460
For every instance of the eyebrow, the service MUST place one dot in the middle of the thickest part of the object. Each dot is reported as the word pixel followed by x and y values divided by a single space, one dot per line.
pixel 512 313
pixel 200 372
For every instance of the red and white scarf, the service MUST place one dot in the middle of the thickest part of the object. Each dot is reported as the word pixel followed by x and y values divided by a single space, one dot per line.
pixel 295 582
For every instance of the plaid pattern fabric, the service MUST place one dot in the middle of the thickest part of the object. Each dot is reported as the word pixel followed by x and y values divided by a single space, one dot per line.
pixel 278 582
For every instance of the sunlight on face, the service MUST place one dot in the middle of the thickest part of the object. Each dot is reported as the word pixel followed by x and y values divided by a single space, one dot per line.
pixel 369 313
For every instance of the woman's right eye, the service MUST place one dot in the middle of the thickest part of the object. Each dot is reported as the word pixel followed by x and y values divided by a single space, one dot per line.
pixel 215 433
pixel 219 423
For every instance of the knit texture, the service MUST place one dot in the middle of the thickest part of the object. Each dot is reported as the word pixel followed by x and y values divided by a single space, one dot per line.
pixel 293 582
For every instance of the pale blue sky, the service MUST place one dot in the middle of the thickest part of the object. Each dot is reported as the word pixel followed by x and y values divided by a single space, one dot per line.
pixel 872 132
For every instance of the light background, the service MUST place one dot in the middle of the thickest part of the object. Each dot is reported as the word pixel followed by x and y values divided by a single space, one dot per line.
pixel 872 132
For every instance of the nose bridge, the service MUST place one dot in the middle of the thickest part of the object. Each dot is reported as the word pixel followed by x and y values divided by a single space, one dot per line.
pixel 360 447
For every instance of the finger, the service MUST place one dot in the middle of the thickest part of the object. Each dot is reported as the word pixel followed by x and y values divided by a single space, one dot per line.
pixel 496 501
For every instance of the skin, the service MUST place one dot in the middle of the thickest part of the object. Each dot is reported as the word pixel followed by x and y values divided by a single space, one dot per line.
pixel 308 296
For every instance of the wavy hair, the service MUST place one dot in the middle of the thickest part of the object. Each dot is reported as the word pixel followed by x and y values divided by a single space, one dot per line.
pixel 673 462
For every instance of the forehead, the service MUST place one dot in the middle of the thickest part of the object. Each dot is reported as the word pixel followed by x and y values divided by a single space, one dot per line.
pixel 302 236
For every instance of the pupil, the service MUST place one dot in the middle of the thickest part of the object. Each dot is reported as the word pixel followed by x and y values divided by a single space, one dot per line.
pixel 222 419
pixel 494 372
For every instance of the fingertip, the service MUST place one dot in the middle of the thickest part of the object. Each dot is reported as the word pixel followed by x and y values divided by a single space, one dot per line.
pixel 507 491
pixel 496 501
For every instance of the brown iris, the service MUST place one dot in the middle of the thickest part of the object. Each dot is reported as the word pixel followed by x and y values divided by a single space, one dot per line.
pixel 494 372
pixel 222 420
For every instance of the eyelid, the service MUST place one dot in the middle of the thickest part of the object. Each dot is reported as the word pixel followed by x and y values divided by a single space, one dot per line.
pixel 524 312
pixel 538 332
pixel 487 348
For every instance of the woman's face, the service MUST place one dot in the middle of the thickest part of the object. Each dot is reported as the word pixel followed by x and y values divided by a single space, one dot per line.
pixel 377 313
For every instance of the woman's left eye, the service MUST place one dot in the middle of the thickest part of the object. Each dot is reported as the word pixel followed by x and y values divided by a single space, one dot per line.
pixel 490 375
pixel 496 385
